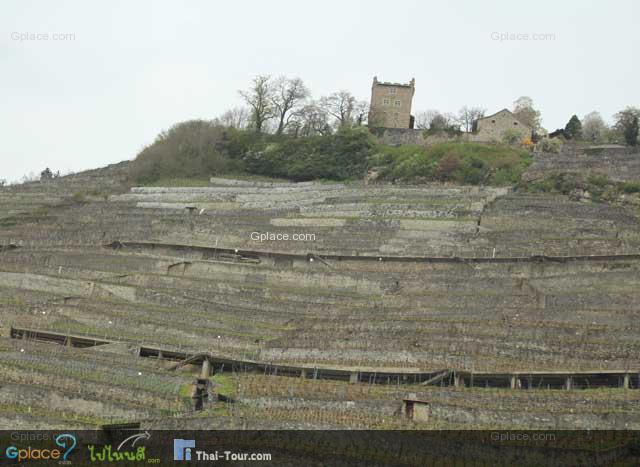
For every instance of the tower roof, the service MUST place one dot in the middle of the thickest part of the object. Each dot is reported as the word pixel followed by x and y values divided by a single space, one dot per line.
pixel 410 84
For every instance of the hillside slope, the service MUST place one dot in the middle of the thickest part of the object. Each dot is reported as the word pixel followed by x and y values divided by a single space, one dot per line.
pixel 384 278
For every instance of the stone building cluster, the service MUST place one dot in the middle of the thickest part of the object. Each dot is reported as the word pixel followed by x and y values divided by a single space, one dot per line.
pixel 390 109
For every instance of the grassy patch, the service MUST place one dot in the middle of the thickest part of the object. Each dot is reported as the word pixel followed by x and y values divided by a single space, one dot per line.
pixel 185 390
pixel 225 384
pixel 85 196
pixel 599 187
pixel 79 197
pixel 468 163
pixel 44 413
pixel 10 221
pixel 630 187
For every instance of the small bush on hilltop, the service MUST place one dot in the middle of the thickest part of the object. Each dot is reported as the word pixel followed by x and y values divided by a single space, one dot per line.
pixel 510 137
pixel 552 145
pixel 563 183
pixel 189 149
pixel 631 187
pixel 79 197
pixel 599 180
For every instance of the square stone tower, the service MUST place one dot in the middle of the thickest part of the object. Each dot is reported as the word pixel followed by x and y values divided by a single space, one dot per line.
pixel 390 105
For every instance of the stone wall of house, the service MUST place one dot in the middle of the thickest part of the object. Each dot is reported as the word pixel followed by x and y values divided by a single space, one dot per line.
pixel 493 128
pixel 489 130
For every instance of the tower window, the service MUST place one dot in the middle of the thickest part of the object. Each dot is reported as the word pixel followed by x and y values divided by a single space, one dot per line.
pixel 392 90
pixel 397 103
pixel 385 101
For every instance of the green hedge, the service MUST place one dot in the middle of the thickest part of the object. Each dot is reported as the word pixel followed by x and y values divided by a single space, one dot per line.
pixel 199 149
pixel 341 156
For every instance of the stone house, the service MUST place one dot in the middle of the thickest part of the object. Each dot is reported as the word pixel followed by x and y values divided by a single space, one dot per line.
pixel 390 105
pixel 494 127
pixel 416 410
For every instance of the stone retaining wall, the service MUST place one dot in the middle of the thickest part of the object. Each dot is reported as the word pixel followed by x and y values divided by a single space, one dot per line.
pixel 617 165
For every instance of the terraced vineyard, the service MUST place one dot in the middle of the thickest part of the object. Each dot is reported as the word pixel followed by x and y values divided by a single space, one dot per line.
pixel 379 278
pixel 49 387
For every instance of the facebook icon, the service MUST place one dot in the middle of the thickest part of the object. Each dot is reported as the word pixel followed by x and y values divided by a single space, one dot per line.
pixel 182 449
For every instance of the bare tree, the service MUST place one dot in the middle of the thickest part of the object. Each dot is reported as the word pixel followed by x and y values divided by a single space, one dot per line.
pixel 423 119
pixel 594 128
pixel 627 125
pixel 341 106
pixel 260 99
pixel 468 115
pixel 525 112
pixel 360 113
pixel 443 122
pixel 30 177
pixel 288 94
pixel 435 120
pixel 238 118
pixel 312 119
pixel 46 174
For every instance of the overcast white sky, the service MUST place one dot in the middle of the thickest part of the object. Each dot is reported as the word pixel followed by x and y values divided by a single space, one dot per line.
pixel 131 69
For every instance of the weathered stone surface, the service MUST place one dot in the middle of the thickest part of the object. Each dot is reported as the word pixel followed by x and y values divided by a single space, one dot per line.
pixel 618 164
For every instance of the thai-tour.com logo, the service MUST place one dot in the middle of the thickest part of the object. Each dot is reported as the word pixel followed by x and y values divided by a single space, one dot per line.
pixel 182 449
pixel 65 444
pixel 185 450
